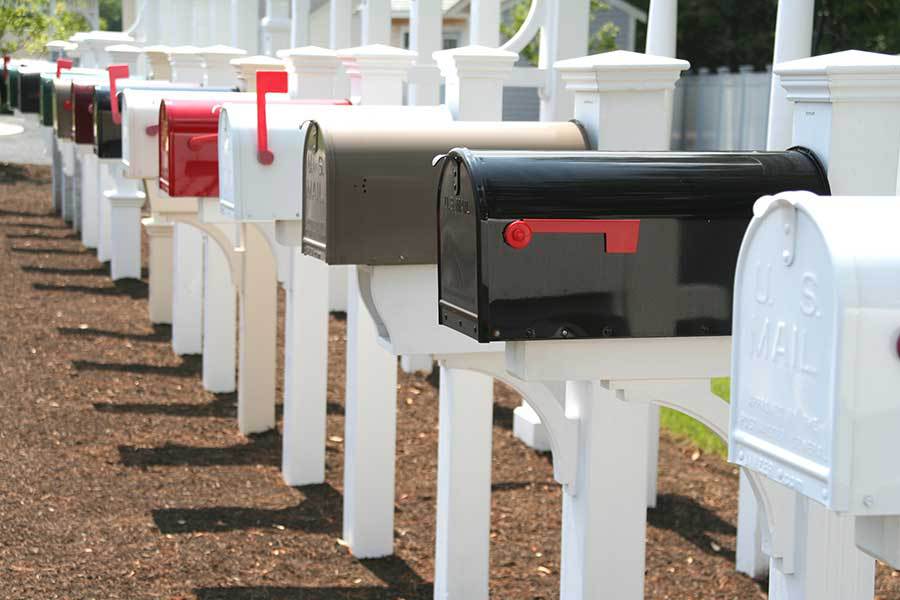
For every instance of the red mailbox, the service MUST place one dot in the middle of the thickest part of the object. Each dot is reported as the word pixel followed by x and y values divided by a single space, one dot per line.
pixel 83 113
pixel 188 144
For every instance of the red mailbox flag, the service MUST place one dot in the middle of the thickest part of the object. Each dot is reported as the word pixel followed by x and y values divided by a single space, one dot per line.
pixel 116 72
pixel 62 63
pixel 266 81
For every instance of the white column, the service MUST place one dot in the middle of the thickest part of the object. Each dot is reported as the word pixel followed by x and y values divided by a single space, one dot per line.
pixel 219 16
pixel 624 100
pixel 847 110
pixel 564 35
pixel 474 76
pixel 300 16
pixel 186 64
pixel 57 175
pixel 425 38
pixel 276 27
pixel 305 371
pixel 662 27
pixel 126 54
pixel 376 22
pixel 217 65
pixel 793 40
pixel 123 231
pixel 306 309
pixel 749 556
pixel 219 318
pixel 158 61
pixel 484 23
pixel 341 17
pixel 245 25
pixel 256 340
pixel 604 518
pixel 370 417
pixel 371 393
pixel 159 234
pixel 245 69
pixel 461 564
pixel 187 290
pixel 89 178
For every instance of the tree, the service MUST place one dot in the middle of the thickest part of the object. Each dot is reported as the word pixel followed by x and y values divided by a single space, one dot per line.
pixel 602 40
pixel 111 15
pixel 27 25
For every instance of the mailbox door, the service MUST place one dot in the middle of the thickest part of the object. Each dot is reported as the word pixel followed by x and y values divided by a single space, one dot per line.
pixel 83 118
pixel 13 87
pixel 376 180
pixel 188 164
pixel 46 98
pixel 30 92
pixel 107 134
pixel 612 245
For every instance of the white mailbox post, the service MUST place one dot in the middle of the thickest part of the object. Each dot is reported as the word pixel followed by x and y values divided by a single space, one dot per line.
pixel 624 100
pixel 847 110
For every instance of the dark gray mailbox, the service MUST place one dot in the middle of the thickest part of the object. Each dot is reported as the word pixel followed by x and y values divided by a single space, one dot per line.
pixel 540 245
pixel 368 190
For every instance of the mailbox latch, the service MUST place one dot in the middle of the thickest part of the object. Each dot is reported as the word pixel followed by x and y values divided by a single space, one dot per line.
pixel 789 233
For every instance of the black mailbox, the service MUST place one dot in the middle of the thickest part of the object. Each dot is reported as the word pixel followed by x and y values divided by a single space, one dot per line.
pixel 46 98
pixel 368 189
pixel 30 91
pixel 536 246
pixel 12 86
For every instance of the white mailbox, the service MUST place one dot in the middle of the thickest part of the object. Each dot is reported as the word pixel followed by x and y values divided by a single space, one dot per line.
pixel 816 352
pixel 252 191
pixel 140 127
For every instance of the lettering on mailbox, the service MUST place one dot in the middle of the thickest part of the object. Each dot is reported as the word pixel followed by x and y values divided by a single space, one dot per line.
pixel 315 188
pixel 785 337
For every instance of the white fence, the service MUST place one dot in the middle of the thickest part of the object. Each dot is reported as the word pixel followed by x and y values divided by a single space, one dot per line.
pixel 719 110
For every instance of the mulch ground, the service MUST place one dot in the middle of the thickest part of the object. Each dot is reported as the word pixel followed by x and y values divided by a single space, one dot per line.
pixel 121 478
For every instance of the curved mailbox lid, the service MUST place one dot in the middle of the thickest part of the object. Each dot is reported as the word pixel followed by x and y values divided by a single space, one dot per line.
pixel 368 195
pixel 12 84
pixel 242 176
pixel 30 91
pixel 815 350
pixel 188 148
pixel 140 125
pixel 108 133
pixel 510 267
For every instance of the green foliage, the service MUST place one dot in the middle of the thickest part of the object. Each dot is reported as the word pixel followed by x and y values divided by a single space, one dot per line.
pixel 601 41
pixel 111 15
pixel 692 430
pixel 26 25
pixel 736 32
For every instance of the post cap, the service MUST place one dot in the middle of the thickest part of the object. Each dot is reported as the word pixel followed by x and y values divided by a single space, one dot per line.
pixel 123 49
pixel 847 75
pixel 475 62
pixel 377 58
pixel 60 45
pixel 308 59
pixel 620 70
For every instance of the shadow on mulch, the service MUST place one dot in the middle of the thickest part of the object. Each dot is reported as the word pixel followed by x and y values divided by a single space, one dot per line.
pixel 42 236
pixel 401 580
pixel 223 406
pixel 30 250
pixel 190 366
pixel 15 173
pixel 320 511
pixel 71 271
pixel 133 288
pixel 161 333
pixel 33 225
pixel 263 449
pixel 692 521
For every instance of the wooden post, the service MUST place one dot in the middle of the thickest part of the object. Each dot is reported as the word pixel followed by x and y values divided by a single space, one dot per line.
pixel 425 36
pixel 376 22
pixel 219 318
pixel 793 40
pixel 484 23
pixel 160 234
pixel 122 232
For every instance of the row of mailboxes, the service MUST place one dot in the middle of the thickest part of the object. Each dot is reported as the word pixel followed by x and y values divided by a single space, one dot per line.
pixel 521 255
pixel 368 190
pixel 108 133
pixel 189 134
pixel 251 191
pixel 140 124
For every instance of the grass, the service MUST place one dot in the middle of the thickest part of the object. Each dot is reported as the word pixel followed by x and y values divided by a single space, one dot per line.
pixel 691 430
